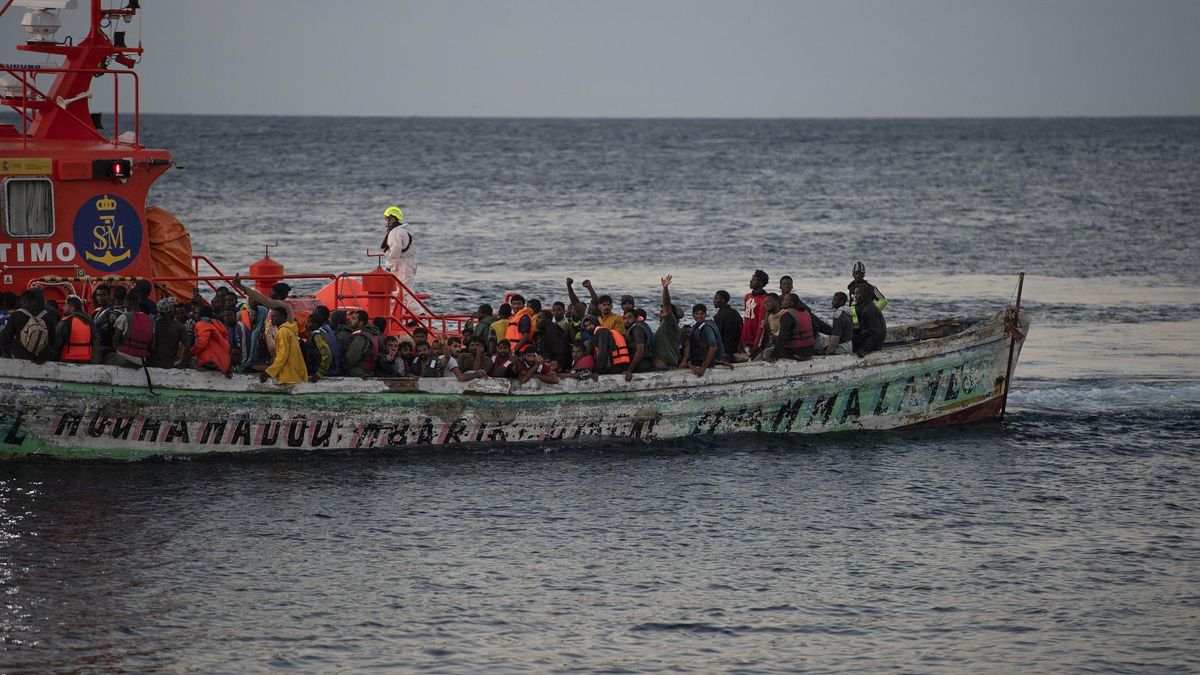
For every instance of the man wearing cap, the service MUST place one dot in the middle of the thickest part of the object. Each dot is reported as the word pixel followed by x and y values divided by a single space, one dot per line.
pixel 860 272
pixel 401 259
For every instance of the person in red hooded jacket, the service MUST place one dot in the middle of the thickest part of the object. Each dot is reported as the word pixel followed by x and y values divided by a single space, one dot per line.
pixel 212 342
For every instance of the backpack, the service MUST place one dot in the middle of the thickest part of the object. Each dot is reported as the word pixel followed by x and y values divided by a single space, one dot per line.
pixel 34 335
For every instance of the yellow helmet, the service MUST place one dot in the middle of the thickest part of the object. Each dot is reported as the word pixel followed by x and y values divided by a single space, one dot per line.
pixel 394 211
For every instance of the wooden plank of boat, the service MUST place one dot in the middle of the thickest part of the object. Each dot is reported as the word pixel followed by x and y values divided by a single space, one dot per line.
pixel 938 373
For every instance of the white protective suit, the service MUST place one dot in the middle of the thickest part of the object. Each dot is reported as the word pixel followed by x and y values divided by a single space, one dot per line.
pixel 401 259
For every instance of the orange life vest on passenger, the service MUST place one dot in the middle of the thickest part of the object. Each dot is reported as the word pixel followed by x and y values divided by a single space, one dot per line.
pixel 802 333
pixel 244 316
pixel 619 356
pixel 212 345
pixel 513 334
pixel 79 342
pixel 139 332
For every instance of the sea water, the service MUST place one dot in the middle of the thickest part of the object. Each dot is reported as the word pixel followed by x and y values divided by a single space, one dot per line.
pixel 1063 538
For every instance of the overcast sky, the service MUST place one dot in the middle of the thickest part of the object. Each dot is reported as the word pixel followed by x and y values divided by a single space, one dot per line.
pixel 675 58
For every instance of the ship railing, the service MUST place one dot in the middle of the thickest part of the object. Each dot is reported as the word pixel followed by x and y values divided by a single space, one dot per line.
pixel 401 318
pixel 26 105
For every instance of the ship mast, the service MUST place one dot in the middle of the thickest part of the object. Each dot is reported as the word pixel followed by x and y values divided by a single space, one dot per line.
pixel 62 111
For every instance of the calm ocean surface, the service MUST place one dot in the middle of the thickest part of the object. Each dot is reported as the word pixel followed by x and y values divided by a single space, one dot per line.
pixel 1063 539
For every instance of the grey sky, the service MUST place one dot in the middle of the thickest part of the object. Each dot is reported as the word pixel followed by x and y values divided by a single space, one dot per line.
pixel 701 58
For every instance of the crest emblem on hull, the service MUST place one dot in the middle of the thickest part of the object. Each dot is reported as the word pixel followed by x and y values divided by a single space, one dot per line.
pixel 108 232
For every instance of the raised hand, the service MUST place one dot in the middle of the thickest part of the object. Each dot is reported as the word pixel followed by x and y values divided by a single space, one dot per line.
pixel 666 281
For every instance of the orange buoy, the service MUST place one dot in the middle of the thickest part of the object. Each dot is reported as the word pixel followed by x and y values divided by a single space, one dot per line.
pixel 380 286
pixel 266 272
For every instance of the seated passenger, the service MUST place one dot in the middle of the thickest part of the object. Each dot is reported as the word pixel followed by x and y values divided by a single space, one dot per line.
pixel 530 365
pixel 133 333
pixel 500 326
pixel 795 339
pixel 288 366
pixel 841 335
pixel 362 348
pixel 423 363
pixel 552 341
pixel 449 364
pixel 475 357
pixel 25 341
pixel 705 346
pixel 482 328
pixel 211 350
pixel 609 348
pixel 521 328
pixel 229 318
pixel 339 321
pixel 502 362
pixel 582 364
pixel 388 362
pixel 321 347
pixel 74 337
pixel 872 328
pixel 640 339
pixel 171 348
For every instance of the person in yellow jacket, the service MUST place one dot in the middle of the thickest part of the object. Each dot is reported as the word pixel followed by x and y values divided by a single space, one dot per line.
pixel 288 366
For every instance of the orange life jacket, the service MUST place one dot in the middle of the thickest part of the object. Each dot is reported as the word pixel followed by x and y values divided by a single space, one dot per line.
pixel 620 349
pixel 513 334
pixel 79 343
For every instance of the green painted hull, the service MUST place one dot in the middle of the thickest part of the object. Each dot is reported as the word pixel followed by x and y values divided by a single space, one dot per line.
pixel 102 412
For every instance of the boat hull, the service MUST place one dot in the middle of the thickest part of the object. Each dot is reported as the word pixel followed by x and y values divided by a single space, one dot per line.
pixel 105 412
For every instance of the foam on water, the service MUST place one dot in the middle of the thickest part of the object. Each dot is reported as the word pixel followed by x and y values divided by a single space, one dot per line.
pixel 1085 397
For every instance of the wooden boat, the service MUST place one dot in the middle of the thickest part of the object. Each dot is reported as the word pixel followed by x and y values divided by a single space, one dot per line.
pixel 85 223
pixel 931 374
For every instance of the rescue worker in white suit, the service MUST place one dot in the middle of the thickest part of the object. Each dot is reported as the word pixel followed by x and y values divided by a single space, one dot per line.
pixel 400 259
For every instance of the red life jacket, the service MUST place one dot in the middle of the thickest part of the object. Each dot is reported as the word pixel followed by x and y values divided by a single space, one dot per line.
pixel 802 333
pixel 138 336
pixel 79 342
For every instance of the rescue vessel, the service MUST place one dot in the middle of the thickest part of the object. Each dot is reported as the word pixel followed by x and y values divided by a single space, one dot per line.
pixel 75 217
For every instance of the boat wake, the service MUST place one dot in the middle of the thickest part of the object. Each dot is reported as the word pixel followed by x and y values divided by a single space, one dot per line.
pixel 1102 395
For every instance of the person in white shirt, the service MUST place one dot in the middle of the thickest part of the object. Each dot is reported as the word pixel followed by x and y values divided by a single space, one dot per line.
pixel 400 258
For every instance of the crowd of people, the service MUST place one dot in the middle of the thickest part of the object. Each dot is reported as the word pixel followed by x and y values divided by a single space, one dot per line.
pixel 245 331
